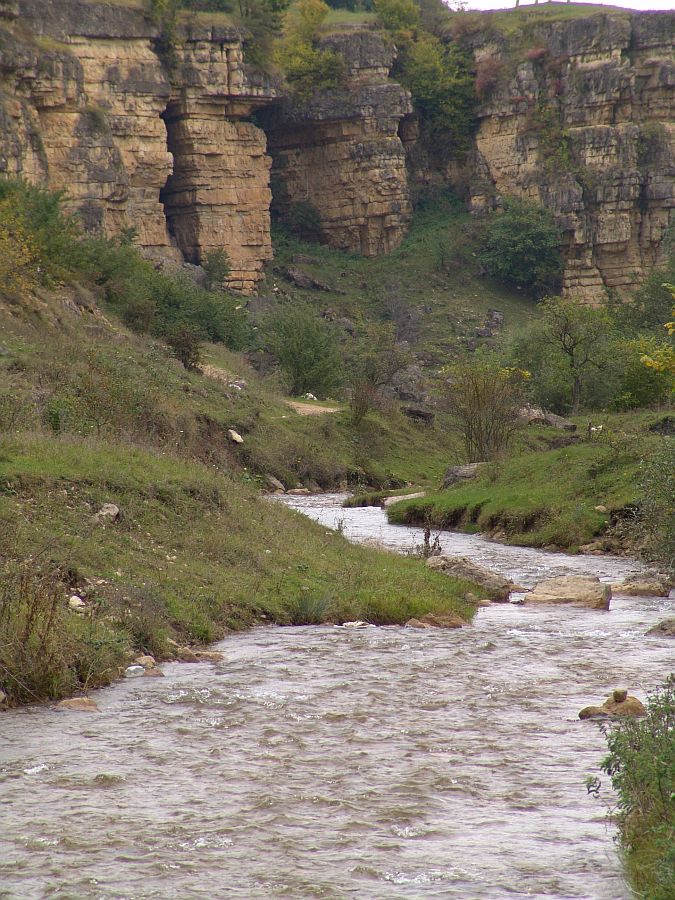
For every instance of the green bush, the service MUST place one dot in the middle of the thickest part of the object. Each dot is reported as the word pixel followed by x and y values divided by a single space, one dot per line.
pixel 522 247
pixel 641 764
pixel 306 349
pixel 307 67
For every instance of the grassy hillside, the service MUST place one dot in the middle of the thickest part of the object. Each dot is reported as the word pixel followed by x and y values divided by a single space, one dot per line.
pixel 539 497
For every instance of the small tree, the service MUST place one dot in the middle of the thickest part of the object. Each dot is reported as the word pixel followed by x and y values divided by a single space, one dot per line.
pixel 186 343
pixel 216 267
pixel 522 247
pixel 373 363
pixel 305 347
pixel 484 399
pixel 578 332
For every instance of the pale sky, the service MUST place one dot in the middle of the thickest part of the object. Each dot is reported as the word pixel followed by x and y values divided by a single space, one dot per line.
pixel 628 4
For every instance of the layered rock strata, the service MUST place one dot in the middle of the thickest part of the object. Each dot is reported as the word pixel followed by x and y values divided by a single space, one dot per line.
pixel 582 120
pixel 87 104
pixel 340 151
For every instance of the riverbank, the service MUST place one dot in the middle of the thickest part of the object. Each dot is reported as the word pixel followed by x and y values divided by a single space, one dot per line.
pixel 190 554
pixel 587 491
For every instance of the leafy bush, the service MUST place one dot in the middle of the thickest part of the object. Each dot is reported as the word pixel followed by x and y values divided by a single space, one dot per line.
pixel 306 349
pixel 399 17
pixel 304 221
pixel 522 247
pixel 641 764
pixel 217 268
pixel 484 398
pixel 307 67
pixel 642 385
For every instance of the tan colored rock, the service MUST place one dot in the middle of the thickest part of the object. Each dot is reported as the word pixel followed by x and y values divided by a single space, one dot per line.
pixel 643 586
pixel 78 704
pixel 497 587
pixel 389 501
pixel 666 628
pixel 153 673
pixel 576 590
pixel 619 705
pixel 442 620
pixel 147 661
pixel 341 152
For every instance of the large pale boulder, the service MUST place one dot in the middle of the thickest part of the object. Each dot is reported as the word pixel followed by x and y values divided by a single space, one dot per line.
pixel 497 587
pixel 576 590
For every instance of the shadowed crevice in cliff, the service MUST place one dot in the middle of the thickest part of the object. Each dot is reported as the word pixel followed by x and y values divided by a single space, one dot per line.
pixel 339 153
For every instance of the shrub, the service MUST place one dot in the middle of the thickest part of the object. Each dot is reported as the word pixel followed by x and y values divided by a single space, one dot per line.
pixel 522 247
pixel 303 220
pixel 642 385
pixel 484 399
pixel 217 268
pixel 399 17
pixel 308 68
pixel 488 71
pixel 305 348
pixel 641 764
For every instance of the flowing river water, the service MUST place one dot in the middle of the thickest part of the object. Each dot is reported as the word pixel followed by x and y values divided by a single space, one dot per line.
pixel 341 763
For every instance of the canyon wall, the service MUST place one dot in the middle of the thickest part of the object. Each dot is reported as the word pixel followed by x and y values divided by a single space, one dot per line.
pixel 580 116
pixel 577 114
pixel 88 104
pixel 340 151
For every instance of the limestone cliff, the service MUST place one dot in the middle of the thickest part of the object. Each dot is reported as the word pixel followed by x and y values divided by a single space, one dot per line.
pixel 581 117
pixel 341 152
pixel 87 105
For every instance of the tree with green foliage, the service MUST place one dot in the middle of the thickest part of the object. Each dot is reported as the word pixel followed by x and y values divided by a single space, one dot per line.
pixel 373 361
pixel 308 68
pixel 305 347
pixel 522 247
pixel 572 340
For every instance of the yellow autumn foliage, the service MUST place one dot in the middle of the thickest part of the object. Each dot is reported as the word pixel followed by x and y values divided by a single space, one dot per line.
pixel 19 255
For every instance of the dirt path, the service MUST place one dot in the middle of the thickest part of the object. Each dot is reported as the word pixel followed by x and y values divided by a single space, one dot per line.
pixel 311 409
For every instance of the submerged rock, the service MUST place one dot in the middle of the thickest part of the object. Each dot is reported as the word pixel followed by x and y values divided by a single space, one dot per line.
pixel 663 629
pixel 134 671
pixel 79 704
pixel 442 620
pixel 462 567
pixel 576 590
pixel 619 705
pixel 356 624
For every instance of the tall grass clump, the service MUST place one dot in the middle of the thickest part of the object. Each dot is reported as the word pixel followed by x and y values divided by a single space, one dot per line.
pixel 641 765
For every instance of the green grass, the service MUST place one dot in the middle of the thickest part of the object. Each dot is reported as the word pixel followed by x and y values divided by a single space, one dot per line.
pixel 541 497
pixel 194 553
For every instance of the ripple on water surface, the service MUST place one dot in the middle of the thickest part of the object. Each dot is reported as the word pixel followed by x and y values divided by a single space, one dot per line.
pixel 335 763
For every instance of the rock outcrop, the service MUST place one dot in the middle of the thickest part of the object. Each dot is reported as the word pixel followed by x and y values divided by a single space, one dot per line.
pixel 620 705
pixel 88 104
pixel 340 151
pixel 580 117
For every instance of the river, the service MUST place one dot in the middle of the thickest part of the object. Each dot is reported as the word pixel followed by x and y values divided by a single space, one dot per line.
pixel 325 762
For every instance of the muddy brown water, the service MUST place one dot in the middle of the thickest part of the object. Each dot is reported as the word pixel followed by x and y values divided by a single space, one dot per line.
pixel 338 763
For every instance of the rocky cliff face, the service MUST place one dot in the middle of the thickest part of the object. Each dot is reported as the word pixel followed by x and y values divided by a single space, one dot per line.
pixel 577 114
pixel 582 120
pixel 87 104
pixel 341 152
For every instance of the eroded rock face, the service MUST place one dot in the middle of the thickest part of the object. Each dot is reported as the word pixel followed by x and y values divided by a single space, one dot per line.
pixel 341 152
pixel 583 122
pixel 87 104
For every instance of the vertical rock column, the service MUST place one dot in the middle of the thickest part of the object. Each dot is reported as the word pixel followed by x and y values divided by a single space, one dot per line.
pixel 218 197
pixel 340 151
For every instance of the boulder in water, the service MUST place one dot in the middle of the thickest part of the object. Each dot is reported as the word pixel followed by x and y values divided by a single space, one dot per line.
pixel 79 704
pixel 619 705
pixel 575 590
pixel 496 586
pixel 643 586
pixel 663 629
pixel 442 620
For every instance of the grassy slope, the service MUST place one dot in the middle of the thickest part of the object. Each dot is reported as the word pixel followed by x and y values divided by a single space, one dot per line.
pixel 547 496
pixel 429 286
pixel 193 552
